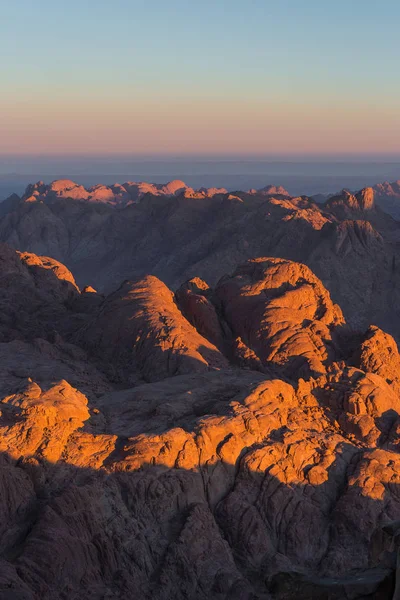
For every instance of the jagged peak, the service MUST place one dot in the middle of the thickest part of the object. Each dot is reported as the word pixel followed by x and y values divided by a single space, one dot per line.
pixel 347 201
pixel 366 198
pixel 270 190
pixel 117 194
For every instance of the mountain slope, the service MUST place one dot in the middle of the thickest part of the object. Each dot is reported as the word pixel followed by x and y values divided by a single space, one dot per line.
pixel 388 196
pixel 216 481
pixel 348 242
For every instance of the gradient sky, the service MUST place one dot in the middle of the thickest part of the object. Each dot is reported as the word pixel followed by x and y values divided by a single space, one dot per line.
pixel 209 76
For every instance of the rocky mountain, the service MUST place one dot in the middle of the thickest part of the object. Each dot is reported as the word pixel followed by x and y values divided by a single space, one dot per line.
pixel 348 242
pixel 238 441
pixel 388 196
pixel 116 195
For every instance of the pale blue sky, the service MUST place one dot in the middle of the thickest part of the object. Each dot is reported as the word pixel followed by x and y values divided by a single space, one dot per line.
pixel 190 75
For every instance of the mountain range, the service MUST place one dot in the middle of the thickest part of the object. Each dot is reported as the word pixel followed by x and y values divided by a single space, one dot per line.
pixel 106 235
pixel 200 394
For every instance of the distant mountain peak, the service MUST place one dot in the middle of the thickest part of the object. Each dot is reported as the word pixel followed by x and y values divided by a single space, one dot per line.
pixel 366 198
pixel 347 202
pixel 116 194
pixel 272 190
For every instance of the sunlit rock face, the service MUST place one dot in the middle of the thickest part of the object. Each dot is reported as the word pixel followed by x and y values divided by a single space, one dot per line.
pixel 126 231
pixel 139 328
pixel 347 203
pixel 283 313
pixel 117 194
pixel 229 441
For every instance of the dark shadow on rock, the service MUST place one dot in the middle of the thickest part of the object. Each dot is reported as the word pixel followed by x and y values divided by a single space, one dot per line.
pixel 160 533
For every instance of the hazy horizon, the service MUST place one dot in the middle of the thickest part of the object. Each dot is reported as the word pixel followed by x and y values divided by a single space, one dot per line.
pixel 216 93
pixel 300 175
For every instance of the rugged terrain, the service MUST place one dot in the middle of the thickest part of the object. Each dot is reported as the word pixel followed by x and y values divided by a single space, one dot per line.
pixel 388 196
pixel 178 233
pixel 230 441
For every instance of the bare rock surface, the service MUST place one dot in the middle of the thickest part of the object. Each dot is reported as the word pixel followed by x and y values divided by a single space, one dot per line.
pixel 140 328
pixel 378 354
pixel 387 195
pixel 34 295
pixel 283 313
pixel 107 234
pixel 230 442
pixel 197 303
pixel 346 203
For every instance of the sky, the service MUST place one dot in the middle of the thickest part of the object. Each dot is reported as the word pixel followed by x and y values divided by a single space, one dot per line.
pixel 209 77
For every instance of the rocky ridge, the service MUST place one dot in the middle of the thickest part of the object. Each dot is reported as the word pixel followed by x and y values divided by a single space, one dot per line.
pixel 115 195
pixel 388 196
pixel 348 242
pixel 227 441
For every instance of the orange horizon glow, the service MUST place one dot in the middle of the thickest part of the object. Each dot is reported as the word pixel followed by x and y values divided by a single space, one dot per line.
pixel 89 125
pixel 191 78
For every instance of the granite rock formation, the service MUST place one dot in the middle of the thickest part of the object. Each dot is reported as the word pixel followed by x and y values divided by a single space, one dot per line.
pixel 230 441
pixel 106 235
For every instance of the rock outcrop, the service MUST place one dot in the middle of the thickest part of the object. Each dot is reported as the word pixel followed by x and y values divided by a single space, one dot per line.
pixel 140 329
pixel 346 204
pixel 107 234
pixel 34 295
pixel 283 313
pixel 197 303
pixel 378 354
pixel 387 196
pixel 273 190
pixel 235 442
